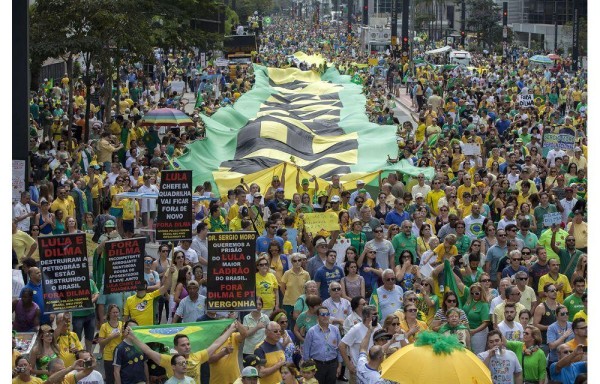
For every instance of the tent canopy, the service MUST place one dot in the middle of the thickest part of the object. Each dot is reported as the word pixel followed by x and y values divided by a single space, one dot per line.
pixel 439 50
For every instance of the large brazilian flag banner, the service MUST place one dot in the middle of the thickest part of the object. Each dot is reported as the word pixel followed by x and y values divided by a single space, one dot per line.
pixel 201 334
pixel 319 123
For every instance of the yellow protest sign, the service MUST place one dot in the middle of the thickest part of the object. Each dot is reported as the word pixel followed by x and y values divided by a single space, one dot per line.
pixel 259 225
pixel 321 221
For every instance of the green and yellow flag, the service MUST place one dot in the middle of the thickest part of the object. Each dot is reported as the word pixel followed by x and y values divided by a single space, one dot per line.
pixel 374 301
pixel 201 334
pixel 319 120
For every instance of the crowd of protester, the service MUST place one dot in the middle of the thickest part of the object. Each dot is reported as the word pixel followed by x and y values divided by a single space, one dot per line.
pixel 519 284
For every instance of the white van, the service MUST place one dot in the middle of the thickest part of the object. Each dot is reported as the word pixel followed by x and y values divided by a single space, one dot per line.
pixel 460 57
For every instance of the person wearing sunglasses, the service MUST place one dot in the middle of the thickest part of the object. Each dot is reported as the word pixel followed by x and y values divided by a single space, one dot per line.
pixel 321 344
pixel 411 326
pixel 528 296
pixel 546 313
pixel 559 332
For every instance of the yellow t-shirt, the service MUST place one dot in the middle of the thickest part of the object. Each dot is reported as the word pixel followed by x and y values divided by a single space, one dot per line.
pixel 561 293
pixel 420 133
pixel 462 189
pixel 432 200
pixel 65 205
pixel 21 244
pixel 287 246
pixel 310 191
pixel 109 349
pixel 33 380
pixel 141 309
pixel 234 210
pixel 193 364
pixel 264 288
pixel 96 188
pixel 64 344
pixel 114 191
pixel 130 207
pixel 227 368
pixel 440 251
pixel 294 285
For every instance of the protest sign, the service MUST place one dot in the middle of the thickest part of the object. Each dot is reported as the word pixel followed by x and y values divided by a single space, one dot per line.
pixel 552 218
pixel 318 221
pixel 18 179
pixel 259 224
pixel 65 273
pixel 17 283
pixel 231 277
pixel 175 214
pixel 525 101
pixel 562 141
pixel 124 268
pixel 471 149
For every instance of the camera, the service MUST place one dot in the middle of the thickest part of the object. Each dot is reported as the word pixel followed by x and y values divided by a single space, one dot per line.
pixel 88 363
pixel 20 369
pixel 374 321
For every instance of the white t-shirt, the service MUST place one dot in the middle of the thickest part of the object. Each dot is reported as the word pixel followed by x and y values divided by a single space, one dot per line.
pixel 201 247
pixel 511 334
pixel 21 209
pixel 190 254
pixel 353 339
pixel 366 374
pixel 494 303
pixel 93 378
pixel 502 367
pixel 384 249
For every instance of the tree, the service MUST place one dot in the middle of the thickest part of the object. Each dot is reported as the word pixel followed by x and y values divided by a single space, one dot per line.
pixel 483 18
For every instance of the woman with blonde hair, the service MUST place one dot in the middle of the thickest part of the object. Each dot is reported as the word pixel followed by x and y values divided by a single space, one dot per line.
pixel 267 286
pixel 533 359
pixel 477 310
pixel 109 338
pixel 44 350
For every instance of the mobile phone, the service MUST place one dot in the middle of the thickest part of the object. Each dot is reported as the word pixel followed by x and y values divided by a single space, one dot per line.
pixel 87 363
pixel 585 349
pixel 400 337
pixel 374 321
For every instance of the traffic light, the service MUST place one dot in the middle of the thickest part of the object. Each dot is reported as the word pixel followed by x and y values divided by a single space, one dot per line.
pixel 505 13
pixel 365 15
pixel 462 34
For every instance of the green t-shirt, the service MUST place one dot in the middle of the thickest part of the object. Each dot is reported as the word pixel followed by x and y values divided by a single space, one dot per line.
pixel 462 244
pixel 574 305
pixel 305 322
pixel 357 240
pixel 477 312
pixel 534 365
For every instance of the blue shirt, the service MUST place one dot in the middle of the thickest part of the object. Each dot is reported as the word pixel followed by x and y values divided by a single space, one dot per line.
pixel 262 243
pixel 393 217
pixel 554 333
pixel 494 255
pixel 325 276
pixel 322 346
pixel 569 373
pixel 132 362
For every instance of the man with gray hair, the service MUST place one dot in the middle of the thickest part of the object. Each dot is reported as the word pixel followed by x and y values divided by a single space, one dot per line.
pixel 515 258
pixel 390 294
pixel 338 307
pixel 350 344
pixel 528 297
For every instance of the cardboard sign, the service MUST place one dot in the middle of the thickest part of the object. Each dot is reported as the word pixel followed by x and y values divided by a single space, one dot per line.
pixel 552 218
pixel 231 277
pixel 318 221
pixel 124 268
pixel 471 149
pixel 65 273
pixel 526 101
pixel 175 214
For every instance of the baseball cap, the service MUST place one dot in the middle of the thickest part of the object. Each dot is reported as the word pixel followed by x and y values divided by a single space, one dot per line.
pixel 257 194
pixel 305 182
pixel 109 224
pixel 335 199
pixel 419 195
pixel 360 182
pixel 253 361
pixel 279 190
pixel 381 335
pixel 249 372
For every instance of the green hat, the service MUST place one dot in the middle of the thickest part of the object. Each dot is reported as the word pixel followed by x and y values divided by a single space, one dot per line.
pixel 305 182
pixel 362 191
pixel 109 224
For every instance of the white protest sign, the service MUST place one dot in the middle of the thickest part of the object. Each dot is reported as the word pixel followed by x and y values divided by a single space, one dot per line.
pixel 552 218
pixel 526 101
pixel 471 149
